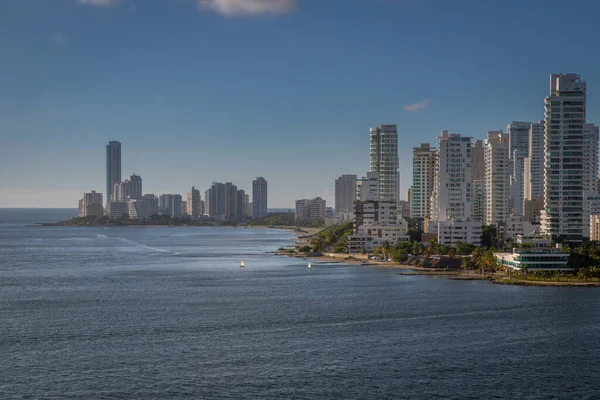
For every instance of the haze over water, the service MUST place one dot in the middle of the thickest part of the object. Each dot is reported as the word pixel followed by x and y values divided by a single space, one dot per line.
pixel 152 312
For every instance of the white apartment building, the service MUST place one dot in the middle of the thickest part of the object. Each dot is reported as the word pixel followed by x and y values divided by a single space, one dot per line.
pixel 345 193
pixel 514 226
pixel 496 178
pixel 534 239
pixel 310 209
pixel 423 178
pixel 376 222
pixel 129 189
pixel 533 166
pixel 91 205
pixel 383 157
pixel 458 230
pixel 565 116
pixel 451 195
pixel 591 206
pixel 477 165
pixel 517 133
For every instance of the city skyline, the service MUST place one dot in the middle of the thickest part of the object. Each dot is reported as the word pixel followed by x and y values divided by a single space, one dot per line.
pixel 64 96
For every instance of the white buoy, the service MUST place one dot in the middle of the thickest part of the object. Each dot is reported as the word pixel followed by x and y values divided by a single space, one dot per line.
pixel 242 264
pixel 308 266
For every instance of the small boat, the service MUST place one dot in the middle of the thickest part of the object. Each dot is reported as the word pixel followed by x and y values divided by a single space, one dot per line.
pixel 308 266
pixel 242 264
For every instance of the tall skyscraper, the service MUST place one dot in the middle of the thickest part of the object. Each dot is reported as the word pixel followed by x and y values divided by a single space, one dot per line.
pixel 534 165
pixel 113 168
pixel 259 198
pixel 423 177
pixel 565 111
pixel 518 145
pixel 477 165
pixel 171 204
pixel 451 197
pixel 590 159
pixel 384 159
pixel 129 189
pixel 345 193
pixel 496 178
pixel 217 201
pixel 193 203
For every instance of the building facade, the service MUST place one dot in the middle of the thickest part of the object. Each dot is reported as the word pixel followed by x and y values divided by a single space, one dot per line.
pixel 518 145
pixel 477 165
pixel 534 165
pixel 193 206
pixel 310 209
pixel 451 197
pixel 565 116
pixel 383 157
pixel 424 160
pixel 455 230
pixel 113 168
pixel 129 189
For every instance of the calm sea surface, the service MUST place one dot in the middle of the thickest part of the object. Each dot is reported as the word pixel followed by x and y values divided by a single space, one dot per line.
pixel 166 313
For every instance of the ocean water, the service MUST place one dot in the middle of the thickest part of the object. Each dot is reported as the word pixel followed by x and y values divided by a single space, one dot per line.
pixel 166 313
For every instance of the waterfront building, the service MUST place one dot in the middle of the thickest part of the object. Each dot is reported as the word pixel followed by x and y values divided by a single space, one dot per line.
pixel 345 193
pixel 424 160
pixel 170 205
pixel 193 206
pixel 376 222
pixel 451 197
pixel 129 189
pixel 217 201
pixel 152 201
pixel 535 259
pixel 250 210
pixel 206 208
pixel 116 209
pixel 496 178
pixel 534 239
pixel 565 116
pixel 515 225
pixel 184 207
pixel 139 209
pixel 383 157
pixel 517 133
pixel 91 205
pixel 591 206
pixel 455 230
pixel 113 168
pixel 259 198
pixel 310 209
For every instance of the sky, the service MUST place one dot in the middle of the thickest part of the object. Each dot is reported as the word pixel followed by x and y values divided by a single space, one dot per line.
pixel 227 90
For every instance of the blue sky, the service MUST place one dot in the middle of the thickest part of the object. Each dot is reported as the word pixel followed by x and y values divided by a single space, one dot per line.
pixel 227 90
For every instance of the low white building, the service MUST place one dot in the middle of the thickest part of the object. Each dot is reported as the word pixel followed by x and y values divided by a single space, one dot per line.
pixel 514 225
pixel 116 209
pixel 535 259
pixel 534 239
pixel 455 230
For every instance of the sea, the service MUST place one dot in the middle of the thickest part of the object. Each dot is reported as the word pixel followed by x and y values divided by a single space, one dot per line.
pixel 167 313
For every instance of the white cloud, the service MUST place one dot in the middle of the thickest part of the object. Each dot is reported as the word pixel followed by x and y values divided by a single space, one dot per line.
pixel 99 3
pixel 232 8
pixel 417 106
pixel 58 39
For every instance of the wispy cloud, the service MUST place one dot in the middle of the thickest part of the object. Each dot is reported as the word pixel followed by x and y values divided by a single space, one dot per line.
pixel 58 39
pixel 417 106
pixel 234 8
pixel 99 3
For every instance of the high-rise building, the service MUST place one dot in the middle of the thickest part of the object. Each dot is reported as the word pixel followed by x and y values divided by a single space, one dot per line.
pixel 310 209
pixel 423 177
pixel 384 159
pixel 152 201
pixel 496 178
pixel 565 116
pixel 230 203
pixel 217 201
pixel 170 204
pixel 240 204
pixel 207 202
pixel 129 189
pixel 590 159
pixel 183 207
pixel 91 205
pixel 259 198
pixel 113 168
pixel 368 187
pixel 534 165
pixel 477 166
pixel 345 193
pixel 451 197
pixel 193 203
pixel 478 203
pixel 518 145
